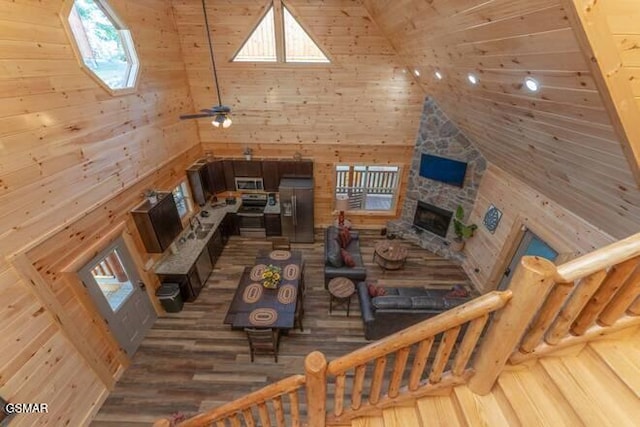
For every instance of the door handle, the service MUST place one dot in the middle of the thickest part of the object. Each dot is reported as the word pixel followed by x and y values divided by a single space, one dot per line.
pixel 141 285
pixel 507 272
pixel 294 201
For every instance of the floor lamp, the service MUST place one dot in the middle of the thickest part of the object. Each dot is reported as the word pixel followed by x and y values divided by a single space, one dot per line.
pixel 342 205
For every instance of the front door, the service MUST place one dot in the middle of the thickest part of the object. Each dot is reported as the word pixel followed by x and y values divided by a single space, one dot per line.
pixel 529 245
pixel 112 281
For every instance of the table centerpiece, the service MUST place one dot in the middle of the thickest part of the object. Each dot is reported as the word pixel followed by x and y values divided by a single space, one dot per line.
pixel 271 276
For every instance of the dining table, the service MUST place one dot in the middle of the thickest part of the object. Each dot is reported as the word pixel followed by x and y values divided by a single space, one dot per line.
pixel 256 306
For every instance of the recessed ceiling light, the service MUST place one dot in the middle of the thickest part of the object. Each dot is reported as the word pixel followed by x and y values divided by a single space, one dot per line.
pixel 438 75
pixel 472 79
pixel 532 84
pixel 417 73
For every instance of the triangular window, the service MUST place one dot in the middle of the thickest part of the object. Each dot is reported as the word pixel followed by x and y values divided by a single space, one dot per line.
pixel 298 45
pixel 279 27
pixel 261 44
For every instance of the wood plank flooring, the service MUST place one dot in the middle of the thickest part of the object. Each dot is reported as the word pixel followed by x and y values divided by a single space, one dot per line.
pixel 190 361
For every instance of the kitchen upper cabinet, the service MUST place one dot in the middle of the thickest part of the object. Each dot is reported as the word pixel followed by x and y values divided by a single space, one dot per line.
pixel 295 169
pixel 229 176
pixel 250 168
pixel 271 175
pixel 198 176
pixel 216 177
pixel 159 223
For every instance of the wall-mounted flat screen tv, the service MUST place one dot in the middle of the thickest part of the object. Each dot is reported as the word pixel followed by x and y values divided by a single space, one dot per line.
pixel 442 169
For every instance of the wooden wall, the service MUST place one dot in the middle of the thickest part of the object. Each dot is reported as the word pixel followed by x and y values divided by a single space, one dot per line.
pixel 560 140
pixel 521 205
pixel 610 34
pixel 73 161
pixel 363 107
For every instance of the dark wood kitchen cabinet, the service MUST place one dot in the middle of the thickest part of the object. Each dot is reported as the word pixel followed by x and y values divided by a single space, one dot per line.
pixel 295 169
pixel 215 246
pixel 272 224
pixel 230 226
pixel 158 224
pixel 216 177
pixel 191 283
pixel 229 176
pixel 198 176
pixel 271 175
pixel 251 168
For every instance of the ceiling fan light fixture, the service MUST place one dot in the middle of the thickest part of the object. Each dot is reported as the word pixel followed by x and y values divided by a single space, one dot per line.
pixel 227 122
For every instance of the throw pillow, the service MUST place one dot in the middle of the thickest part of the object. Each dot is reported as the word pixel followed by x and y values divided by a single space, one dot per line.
pixel 344 237
pixel 347 258
pixel 334 255
pixel 373 291
pixel 380 291
pixel 457 291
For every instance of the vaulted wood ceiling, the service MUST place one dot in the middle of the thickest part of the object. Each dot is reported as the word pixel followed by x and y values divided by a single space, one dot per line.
pixel 559 140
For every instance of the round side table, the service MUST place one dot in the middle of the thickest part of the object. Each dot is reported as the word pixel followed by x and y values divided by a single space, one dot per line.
pixel 340 290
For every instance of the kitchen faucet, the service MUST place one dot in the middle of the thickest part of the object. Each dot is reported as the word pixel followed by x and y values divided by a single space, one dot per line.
pixel 197 221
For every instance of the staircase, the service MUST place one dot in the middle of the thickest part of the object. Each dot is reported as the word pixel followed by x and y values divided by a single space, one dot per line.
pixel 560 347
pixel 598 386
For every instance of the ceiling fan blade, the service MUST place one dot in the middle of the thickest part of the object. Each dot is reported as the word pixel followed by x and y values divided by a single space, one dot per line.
pixel 194 116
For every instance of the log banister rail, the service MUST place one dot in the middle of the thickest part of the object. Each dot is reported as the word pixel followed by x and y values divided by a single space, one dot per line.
pixel 599 259
pixel 592 295
pixel 230 410
pixel 449 319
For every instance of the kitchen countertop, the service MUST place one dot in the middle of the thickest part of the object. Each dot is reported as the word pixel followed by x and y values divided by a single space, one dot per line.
pixel 272 209
pixel 189 249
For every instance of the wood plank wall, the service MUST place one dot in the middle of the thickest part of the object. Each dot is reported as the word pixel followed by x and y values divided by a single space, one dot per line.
pixel 73 161
pixel 610 35
pixel 521 205
pixel 560 140
pixel 363 107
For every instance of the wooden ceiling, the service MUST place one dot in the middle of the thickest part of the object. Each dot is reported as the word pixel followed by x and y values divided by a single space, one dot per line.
pixel 559 140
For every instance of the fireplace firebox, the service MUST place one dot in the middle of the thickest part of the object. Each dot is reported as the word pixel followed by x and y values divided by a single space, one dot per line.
pixel 432 218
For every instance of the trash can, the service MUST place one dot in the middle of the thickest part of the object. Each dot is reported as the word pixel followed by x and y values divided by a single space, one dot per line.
pixel 170 298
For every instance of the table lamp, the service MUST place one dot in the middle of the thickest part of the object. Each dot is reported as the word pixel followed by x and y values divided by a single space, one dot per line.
pixel 342 204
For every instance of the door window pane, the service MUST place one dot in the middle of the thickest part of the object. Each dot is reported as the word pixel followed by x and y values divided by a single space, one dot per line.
pixel 112 279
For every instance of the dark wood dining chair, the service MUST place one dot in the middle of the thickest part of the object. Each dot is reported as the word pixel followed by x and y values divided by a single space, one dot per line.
pixel 299 314
pixel 263 341
pixel 281 243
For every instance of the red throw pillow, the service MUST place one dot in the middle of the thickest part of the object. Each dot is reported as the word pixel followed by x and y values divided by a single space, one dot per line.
pixel 344 237
pixel 458 291
pixel 347 258
pixel 373 290
pixel 380 291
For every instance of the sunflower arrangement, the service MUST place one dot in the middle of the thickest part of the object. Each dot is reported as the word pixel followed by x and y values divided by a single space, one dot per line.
pixel 271 276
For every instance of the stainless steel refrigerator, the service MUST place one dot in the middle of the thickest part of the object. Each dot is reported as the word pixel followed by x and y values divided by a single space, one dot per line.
pixel 296 209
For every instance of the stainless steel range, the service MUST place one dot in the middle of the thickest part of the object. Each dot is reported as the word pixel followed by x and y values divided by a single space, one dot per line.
pixel 251 215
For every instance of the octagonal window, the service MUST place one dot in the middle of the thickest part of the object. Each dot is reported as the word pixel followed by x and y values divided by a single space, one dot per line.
pixel 103 43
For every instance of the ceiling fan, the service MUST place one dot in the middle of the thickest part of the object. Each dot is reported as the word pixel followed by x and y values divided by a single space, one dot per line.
pixel 221 113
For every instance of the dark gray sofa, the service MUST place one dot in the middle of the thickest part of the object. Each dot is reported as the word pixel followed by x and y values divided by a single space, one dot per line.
pixel 401 308
pixel 356 273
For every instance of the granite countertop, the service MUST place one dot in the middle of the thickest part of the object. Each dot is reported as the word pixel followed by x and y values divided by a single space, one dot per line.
pixel 188 250
pixel 272 209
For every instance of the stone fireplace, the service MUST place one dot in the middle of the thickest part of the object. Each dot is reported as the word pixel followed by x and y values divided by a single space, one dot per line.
pixel 432 218
pixel 429 205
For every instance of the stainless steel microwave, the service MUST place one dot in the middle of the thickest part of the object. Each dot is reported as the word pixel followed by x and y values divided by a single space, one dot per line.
pixel 249 184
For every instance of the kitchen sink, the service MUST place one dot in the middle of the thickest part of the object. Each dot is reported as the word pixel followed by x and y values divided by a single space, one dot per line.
pixel 202 231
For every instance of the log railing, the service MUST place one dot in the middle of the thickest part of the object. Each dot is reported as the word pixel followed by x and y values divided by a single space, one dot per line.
pixel 266 405
pixel 590 296
pixel 382 364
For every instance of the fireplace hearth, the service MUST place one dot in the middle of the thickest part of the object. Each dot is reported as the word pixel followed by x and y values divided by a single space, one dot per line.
pixel 432 218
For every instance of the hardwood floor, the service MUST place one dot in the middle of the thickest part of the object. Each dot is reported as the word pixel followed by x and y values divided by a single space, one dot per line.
pixel 190 361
